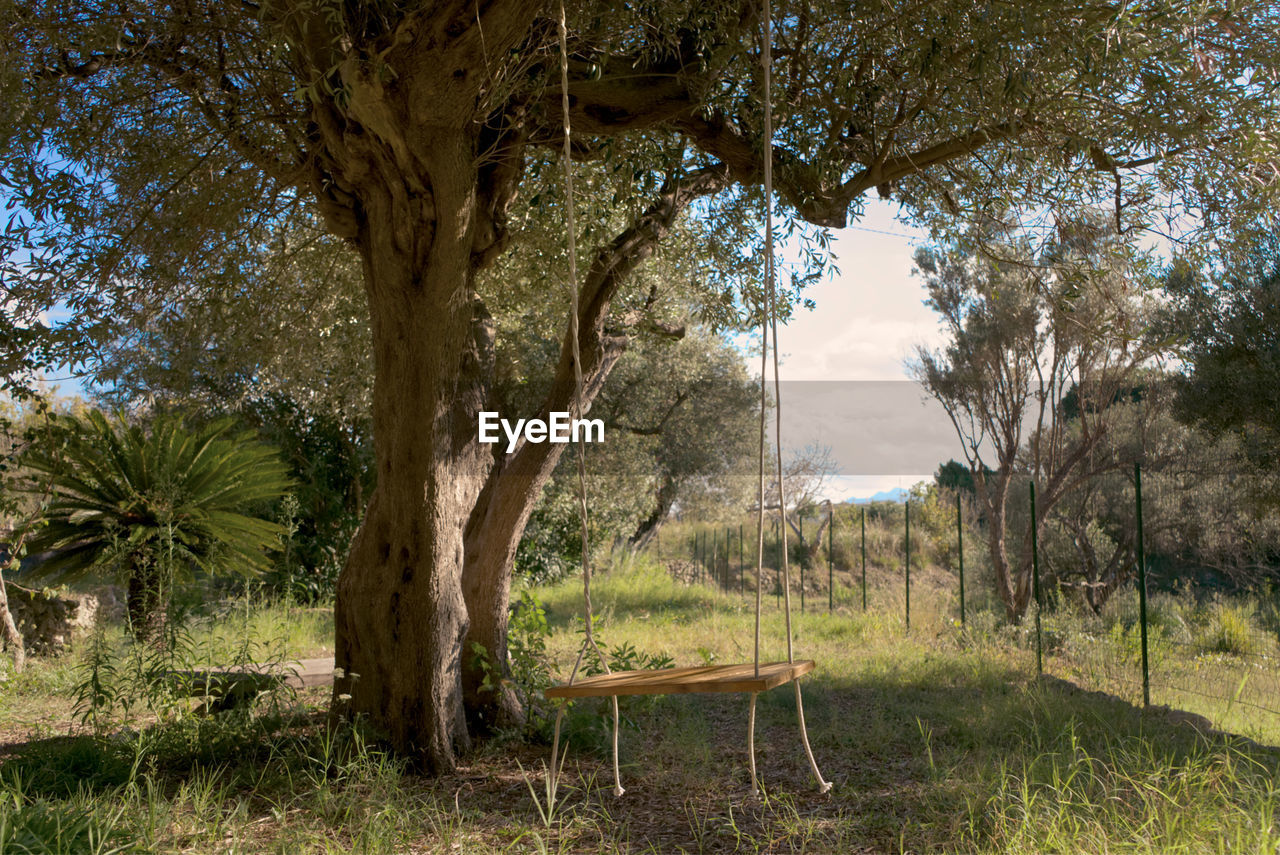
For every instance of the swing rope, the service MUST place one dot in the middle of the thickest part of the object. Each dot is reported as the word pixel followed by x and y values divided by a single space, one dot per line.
pixel 769 331
pixel 572 250
pixel 772 327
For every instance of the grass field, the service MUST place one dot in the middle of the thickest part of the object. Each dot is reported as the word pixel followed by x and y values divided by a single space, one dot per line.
pixel 937 741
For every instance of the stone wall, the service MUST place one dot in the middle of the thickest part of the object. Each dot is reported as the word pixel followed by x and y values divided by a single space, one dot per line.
pixel 47 620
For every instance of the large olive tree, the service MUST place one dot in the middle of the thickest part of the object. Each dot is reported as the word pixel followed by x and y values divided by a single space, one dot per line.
pixel 148 144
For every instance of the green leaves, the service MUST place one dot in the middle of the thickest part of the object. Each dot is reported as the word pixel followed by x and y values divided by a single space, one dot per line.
pixel 125 497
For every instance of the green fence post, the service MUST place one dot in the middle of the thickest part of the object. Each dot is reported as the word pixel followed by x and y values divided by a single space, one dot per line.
pixel 960 550
pixel 831 558
pixel 713 576
pixel 695 553
pixel 728 557
pixel 1035 578
pixel 864 559
pixel 742 564
pixel 907 507
pixel 800 532
pixel 1142 586
pixel 777 562
pixel 702 554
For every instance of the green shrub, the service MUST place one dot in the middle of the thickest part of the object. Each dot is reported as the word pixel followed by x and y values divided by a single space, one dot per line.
pixel 153 505
pixel 527 634
pixel 42 827
pixel 1230 630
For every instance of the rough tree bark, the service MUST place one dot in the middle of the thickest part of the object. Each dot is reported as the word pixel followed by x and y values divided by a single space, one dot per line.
pixel 399 174
pixel 144 604
pixel 516 480
pixel 400 616
pixel 663 501
pixel 9 631
pixel 1011 588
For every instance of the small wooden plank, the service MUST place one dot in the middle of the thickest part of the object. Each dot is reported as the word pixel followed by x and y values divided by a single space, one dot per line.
pixel 305 673
pixel 299 674
pixel 682 681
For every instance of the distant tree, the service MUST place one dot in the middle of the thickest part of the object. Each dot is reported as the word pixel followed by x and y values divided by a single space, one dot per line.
pixel 1023 331
pixel 1088 537
pixel 153 506
pixel 692 405
pixel 805 474
pixel 678 414
pixel 1227 325
pixel 1201 517
pixel 954 475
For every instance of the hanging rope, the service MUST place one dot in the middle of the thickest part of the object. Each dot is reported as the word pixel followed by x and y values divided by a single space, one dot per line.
pixel 589 636
pixel 769 334
pixel 771 309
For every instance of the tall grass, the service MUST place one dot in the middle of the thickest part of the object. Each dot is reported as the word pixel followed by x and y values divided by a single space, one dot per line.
pixel 939 739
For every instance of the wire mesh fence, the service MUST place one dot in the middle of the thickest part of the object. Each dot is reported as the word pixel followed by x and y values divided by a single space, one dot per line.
pixel 1211 652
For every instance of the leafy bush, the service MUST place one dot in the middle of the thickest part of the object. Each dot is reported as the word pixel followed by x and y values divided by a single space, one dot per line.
pixel 551 547
pixel 527 634
pixel 154 506
pixel 1230 630
pixel 120 678
pixel 331 462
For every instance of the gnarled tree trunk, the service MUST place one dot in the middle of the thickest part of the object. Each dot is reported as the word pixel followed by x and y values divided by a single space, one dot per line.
pixel 648 527
pixel 400 616
pixel 516 481
pixel 145 603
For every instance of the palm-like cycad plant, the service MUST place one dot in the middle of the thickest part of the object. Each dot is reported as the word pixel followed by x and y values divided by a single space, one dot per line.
pixel 154 506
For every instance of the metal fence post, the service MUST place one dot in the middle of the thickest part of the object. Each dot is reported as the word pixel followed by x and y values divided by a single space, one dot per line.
pixel 831 558
pixel 800 529
pixel 1035 578
pixel 864 559
pixel 960 551
pixel 725 575
pixel 742 564
pixel 695 556
pixel 713 576
pixel 702 555
pixel 907 507
pixel 1142 586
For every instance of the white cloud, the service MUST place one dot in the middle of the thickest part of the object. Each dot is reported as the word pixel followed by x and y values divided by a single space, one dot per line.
pixel 868 321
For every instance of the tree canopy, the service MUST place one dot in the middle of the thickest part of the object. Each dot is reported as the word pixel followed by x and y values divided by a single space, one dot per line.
pixel 152 151
pixel 1227 323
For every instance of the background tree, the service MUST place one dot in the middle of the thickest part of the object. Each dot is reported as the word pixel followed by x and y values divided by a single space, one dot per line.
pixel 153 506
pixel 153 148
pixel 806 473
pixel 1024 332
pixel 1227 324
pixel 676 415
pixel 691 405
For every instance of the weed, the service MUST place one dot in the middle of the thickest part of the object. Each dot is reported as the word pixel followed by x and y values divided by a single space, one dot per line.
pixel 1230 630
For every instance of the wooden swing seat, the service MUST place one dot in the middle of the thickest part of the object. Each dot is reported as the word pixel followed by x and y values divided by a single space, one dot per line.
pixel 684 681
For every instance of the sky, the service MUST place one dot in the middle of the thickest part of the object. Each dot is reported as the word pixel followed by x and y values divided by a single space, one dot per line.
pixel 844 364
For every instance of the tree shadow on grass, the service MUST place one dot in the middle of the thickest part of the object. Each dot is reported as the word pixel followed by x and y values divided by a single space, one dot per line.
pixel 942 753
pixel 931 757
pixel 167 753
